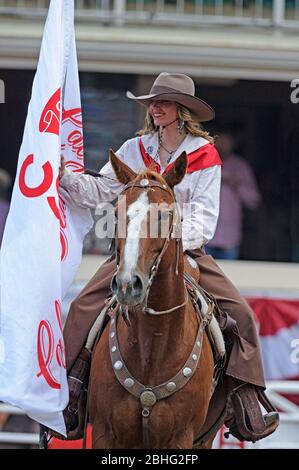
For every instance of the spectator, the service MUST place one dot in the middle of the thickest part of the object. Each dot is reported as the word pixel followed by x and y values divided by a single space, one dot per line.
pixel 238 189
pixel 5 183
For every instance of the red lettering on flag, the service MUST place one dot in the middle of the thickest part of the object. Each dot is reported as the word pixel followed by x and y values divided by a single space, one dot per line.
pixel 75 140
pixel 45 349
pixel 76 167
pixel 60 214
pixel 45 356
pixel 73 115
pixel 50 118
pixel 64 245
pixel 60 355
pixel 41 188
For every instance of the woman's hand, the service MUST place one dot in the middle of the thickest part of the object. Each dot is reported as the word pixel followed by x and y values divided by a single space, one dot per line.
pixel 62 166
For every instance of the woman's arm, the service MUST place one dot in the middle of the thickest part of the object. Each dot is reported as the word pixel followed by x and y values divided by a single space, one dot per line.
pixel 200 217
pixel 87 191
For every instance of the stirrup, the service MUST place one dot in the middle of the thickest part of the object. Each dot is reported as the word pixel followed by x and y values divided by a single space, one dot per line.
pixel 248 422
pixel 75 413
pixel 74 419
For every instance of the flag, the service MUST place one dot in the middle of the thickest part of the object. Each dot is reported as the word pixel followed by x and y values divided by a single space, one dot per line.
pixel 42 244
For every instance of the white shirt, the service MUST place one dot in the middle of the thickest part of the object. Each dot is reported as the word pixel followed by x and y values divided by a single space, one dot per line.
pixel 197 194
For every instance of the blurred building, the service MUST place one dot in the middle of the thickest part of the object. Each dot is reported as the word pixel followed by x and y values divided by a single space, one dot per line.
pixel 243 56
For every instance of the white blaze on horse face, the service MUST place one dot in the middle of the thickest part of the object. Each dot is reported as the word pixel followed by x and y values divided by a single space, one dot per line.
pixel 137 213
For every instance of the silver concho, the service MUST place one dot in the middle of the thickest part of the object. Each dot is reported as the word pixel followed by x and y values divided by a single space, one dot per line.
pixel 129 382
pixel 187 372
pixel 118 365
pixel 148 398
pixel 144 182
pixel 171 386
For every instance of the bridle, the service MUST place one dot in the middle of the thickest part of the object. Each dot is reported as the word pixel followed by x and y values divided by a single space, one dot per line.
pixel 146 185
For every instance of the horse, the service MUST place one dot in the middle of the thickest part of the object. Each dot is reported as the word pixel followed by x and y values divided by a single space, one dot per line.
pixel 152 370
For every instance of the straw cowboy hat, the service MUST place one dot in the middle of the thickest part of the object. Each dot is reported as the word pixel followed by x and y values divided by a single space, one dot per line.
pixel 180 88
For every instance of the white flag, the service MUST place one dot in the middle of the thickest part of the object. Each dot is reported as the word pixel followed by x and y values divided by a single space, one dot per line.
pixel 42 244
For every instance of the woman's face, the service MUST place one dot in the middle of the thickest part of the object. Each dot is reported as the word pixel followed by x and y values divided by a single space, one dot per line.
pixel 163 112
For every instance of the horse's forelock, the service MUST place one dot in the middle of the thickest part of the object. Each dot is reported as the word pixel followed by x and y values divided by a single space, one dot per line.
pixel 151 174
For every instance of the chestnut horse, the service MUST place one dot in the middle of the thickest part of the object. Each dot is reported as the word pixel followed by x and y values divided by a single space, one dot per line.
pixel 152 370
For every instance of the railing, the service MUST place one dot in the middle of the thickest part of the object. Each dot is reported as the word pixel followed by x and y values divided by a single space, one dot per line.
pixel 277 13
pixel 16 437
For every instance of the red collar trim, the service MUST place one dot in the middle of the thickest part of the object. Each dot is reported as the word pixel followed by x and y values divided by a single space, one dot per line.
pixel 200 159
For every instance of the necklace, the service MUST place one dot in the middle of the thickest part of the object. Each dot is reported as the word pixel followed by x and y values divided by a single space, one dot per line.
pixel 170 152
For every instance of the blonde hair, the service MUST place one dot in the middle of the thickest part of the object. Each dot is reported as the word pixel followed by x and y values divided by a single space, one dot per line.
pixel 191 124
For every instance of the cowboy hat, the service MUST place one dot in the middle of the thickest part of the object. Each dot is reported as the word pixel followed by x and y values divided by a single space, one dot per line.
pixel 179 88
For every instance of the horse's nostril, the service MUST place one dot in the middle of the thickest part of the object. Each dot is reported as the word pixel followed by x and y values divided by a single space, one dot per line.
pixel 114 284
pixel 137 284
pixel 126 289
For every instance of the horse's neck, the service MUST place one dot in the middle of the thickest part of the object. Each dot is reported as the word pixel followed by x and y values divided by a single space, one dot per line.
pixel 168 288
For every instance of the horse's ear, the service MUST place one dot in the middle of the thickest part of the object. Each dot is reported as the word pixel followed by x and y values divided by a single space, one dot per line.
pixel 123 173
pixel 177 171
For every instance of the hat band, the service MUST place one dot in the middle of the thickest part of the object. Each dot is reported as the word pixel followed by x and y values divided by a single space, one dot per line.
pixel 159 90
